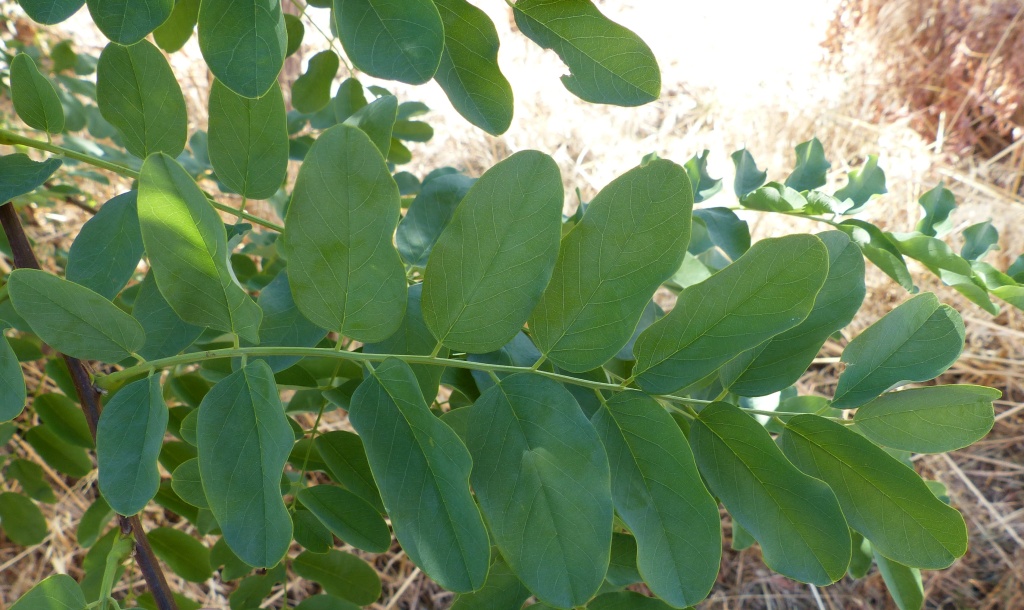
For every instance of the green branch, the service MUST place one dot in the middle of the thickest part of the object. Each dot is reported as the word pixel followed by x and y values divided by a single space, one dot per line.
pixel 13 139
pixel 112 380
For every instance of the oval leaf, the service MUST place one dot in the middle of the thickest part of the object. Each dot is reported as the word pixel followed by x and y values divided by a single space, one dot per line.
pixel 49 12
pixel 414 338
pixel 396 40
pixel 501 591
pixel 244 441
pixel 248 141
pixel 186 556
pixel 345 457
pixel 283 324
pixel 632 238
pixel 348 516
pixel 21 520
pixel 658 493
pixel 107 250
pixel 428 215
pixel 62 456
pixel 177 29
pixel 883 499
pixel 929 420
pixel 422 469
pixel 768 290
pixel 166 333
pixel 345 273
pixel 312 90
pixel 12 383
pixel 57 592
pixel 243 43
pixel 35 99
pixel 609 64
pixel 377 120
pixel 779 362
pixel 187 246
pixel 20 175
pixel 541 476
pixel 129 437
pixel 796 518
pixel 138 94
pixel 917 341
pixel 73 319
pixel 489 267
pixel 340 574
pixel 129 21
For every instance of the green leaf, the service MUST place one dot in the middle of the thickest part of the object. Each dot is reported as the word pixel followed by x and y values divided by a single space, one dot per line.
pixel 658 493
pixel 501 591
pixel 950 268
pixel 487 270
pixel 979 240
pixel 883 499
pixel 283 324
pixel 346 459
pixel 312 90
pixel 129 21
pixel 311 533
pixel 420 465
pixel 251 591
pixel 62 456
pixel 428 215
pixel 129 437
pixel 56 592
pixel 243 43
pixel 166 333
pixel 177 29
pixel 862 184
pixel 296 32
pixel 608 63
pixel 20 175
pixel 929 420
pixel 139 95
pixel 50 12
pixel 348 516
pixel 35 99
pixel 73 319
pixel 396 40
pixel 469 73
pixel 748 177
pixel 345 274
pixel 187 482
pixel 109 245
pixel 21 520
pixel 64 417
pixel 248 141
pixel 917 341
pixel 183 554
pixel 377 120
pixel 622 570
pixel 903 583
pixel 93 521
pixel 779 362
pixel 541 476
pixel 348 99
pixel 12 383
pixel 340 574
pixel 775 197
pixel 325 602
pixel 796 518
pixel 632 238
pixel 938 204
pixel 244 441
pixel 879 249
pixel 626 600
pixel 188 250
pixel 703 185
pixel 413 337
pixel 811 166
pixel 767 291
pixel 30 476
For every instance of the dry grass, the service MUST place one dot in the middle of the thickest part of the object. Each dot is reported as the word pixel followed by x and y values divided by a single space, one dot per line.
pixel 755 75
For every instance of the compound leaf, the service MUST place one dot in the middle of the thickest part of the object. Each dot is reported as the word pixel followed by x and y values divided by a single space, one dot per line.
pixel 979 240
pixel 283 324
pixel 428 215
pixel 929 420
pixel 188 251
pixel 127 22
pixel 108 247
pixel 186 556
pixel 768 290
pixel 862 184
pixel 377 120
pixel 811 166
pixel 608 63
pixel 422 469
pixel 243 43
pixel 917 341
pixel 938 204
pixel 340 574
pixel 50 12
pixel 129 437
pixel 632 238
pixel 397 40
pixel 658 493
pixel 57 592
pixel 177 29
pixel 489 267
pixel 903 583
pixel 882 498
pixel 244 440
pixel 20 175
pixel 501 591
pixel 348 516
pixel 21 520
pixel 748 177
pixel 73 319
pixel 345 457
pixel 138 94
pixel 541 476
pixel 166 333
pixel 796 518
pixel 35 99
pixel 413 337
pixel 312 90
pixel 248 141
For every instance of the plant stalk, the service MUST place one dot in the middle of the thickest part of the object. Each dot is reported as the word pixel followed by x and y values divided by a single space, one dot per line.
pixel 89 398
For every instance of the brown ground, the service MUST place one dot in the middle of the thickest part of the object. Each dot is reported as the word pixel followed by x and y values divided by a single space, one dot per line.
pixel 756 75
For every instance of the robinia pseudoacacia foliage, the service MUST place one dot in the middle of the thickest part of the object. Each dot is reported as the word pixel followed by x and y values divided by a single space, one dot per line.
pixel 527 421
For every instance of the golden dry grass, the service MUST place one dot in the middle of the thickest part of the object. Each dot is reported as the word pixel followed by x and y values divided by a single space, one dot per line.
pixel 735 74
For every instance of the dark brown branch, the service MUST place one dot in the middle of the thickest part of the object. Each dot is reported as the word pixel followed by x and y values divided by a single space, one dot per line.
pixel 89 397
